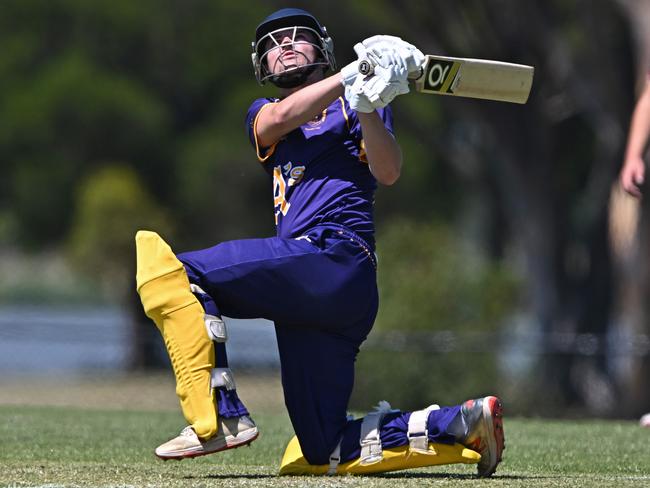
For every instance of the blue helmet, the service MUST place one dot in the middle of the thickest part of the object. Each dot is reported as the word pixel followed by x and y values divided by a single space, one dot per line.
pixel 283 19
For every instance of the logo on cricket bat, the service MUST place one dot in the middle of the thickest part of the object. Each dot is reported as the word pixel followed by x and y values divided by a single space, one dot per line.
pixel 439 76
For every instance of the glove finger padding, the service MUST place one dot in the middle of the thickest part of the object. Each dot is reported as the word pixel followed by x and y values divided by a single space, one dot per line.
pixel 382 39
pixel 411 59
pixel 374 87
pixel 360 50
pixel 356 97
pixel 376 45
pixel 380 92
pixel 392 68
pixel 403 88
pixel 349 73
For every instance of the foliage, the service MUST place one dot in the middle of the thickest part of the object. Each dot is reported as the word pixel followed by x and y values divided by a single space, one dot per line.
pixel 84 83
pixel 440 303
pixel 111 207
pixel 431 280
pixel 162 88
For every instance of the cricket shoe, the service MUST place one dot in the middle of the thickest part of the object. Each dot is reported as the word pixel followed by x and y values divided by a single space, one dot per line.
pixel 233 432
pixel 482 431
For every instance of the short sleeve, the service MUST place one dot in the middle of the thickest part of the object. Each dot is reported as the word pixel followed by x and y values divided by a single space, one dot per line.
pixel 385 113
pixel 251 122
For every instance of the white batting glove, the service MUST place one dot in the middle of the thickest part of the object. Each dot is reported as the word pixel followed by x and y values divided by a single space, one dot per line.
pixel 368 93
pixel 392 60
pixel 349 73
pixel 390 79
pixel 381 92
pixel 391 68
pixel 356 98
pixel 375 46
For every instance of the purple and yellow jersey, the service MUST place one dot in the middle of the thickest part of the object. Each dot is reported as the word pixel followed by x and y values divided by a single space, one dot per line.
pixel 320 171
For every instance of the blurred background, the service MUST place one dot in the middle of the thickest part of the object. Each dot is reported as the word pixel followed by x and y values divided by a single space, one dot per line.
pixel 509 261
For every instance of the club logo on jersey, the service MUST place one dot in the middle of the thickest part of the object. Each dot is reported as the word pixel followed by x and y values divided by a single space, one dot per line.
pixel 440 75
pixel 284 177
pixel 316 122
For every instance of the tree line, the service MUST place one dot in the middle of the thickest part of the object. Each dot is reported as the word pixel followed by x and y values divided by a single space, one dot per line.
pixel 122 115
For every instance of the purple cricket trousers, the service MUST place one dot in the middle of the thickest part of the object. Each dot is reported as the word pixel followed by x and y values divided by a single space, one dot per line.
pixel 320 290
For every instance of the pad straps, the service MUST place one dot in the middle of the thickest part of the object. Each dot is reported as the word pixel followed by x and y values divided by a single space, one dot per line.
pixel 214 325
pixel 418 432
pixel 369 439
pixel 335 459
pixel 216 328
pixel 222 377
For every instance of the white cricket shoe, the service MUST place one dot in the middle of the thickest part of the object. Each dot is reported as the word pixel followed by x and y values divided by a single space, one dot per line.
pixel 233 432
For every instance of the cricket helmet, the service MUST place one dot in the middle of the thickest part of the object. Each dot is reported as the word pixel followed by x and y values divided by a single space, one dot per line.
pixel 300 21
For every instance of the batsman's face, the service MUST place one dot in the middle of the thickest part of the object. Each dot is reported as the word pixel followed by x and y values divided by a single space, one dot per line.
pixel 290 48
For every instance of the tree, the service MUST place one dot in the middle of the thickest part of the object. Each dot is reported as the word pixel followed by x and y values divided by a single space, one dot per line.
pixel 112 206
pixel 540 174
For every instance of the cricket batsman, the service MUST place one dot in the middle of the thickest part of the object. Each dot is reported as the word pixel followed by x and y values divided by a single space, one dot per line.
pixel 325 143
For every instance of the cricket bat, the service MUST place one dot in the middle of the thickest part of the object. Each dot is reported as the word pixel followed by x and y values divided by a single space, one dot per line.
pixel 472 78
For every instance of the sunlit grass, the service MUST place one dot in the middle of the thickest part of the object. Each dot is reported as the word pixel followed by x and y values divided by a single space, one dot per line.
pixel 56 446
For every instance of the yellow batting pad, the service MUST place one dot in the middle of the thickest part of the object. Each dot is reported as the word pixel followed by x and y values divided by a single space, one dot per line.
pixel 166 297
pixel 397 458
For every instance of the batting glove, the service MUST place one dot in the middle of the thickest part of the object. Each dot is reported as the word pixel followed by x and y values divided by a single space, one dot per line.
pixel 390 79
pixel 349 73
pixel 381 92
pixel 376 46
pixel 356 98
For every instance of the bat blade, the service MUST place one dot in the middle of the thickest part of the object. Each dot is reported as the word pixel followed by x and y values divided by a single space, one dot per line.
pixel 475 78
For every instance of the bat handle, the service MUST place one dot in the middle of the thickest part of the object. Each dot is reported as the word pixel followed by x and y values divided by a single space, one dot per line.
pixel 366 68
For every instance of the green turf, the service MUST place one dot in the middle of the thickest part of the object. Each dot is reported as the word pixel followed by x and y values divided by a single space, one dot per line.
pixel 51 447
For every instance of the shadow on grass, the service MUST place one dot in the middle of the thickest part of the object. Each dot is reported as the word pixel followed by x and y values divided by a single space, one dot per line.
pixel 398 475
pixel 230 476
pixel 453 476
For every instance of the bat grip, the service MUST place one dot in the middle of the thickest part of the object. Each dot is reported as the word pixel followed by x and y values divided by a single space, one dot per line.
pixel 366 68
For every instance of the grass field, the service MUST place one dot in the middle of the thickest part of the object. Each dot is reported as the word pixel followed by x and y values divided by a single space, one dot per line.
pixel 112 446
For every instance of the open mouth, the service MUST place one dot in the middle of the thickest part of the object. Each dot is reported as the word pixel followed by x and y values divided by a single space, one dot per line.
pixel 289 59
